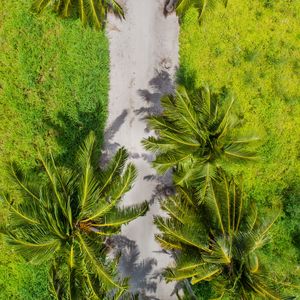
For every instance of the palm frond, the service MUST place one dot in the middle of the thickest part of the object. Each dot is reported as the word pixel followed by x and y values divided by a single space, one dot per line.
pixel 50 172
pixel 118 189
pixel 235 153
pixel 161 123
pixel 165 161
pixel 166 243
pixel 25 212
pixel 158 145
pixel 66 216
pixel 171 274
pixel 182 234
pixel 195 136
pixel 23 182
pixel 40 5
pixel 221 252
pixel 186 195
pixel 219 242
pixel 35 252
pixel 89 184
pixel 187 262
pixel 92 12
pixel 117 9
pixel 113 170
pixel 121 216
pixel 201 5
pixel 95 264
pixel 206 273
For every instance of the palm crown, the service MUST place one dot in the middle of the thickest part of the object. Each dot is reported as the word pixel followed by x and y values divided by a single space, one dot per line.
pixel 66 217
pixel 195 137
pixel 91 12
pixel 181 6
pixel 217 242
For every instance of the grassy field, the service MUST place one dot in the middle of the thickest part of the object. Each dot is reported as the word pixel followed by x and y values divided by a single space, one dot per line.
pixel 53 91
pixel 252 48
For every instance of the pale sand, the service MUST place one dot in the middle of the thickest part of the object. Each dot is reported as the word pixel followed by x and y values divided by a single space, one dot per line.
pixel 141 47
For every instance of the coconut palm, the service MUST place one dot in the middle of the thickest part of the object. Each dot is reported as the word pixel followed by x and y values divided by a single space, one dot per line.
pixel 217 242
pixel 181 6
pixel 65 217
pixel 196 136
pixel 91 12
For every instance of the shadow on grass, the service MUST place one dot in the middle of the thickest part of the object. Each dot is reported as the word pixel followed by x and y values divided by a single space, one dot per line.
pixel 70 133
pixel 291 210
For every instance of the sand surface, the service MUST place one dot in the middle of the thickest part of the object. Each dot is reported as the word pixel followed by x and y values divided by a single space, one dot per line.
pixel 144 59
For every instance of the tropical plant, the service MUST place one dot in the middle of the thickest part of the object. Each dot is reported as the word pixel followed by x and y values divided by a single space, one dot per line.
pixel 91 12
pixel 196 136
pixel 181 6
pixel 65 217
pixel 217 242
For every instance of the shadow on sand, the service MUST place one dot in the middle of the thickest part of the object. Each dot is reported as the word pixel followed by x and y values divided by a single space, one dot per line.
pixel 138 272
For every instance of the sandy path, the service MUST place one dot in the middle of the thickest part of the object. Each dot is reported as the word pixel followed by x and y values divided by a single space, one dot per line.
pixel 144 58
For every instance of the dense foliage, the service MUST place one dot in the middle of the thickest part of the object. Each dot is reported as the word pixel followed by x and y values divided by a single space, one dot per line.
pixel 252 48
pixel 196 136
pixel 218 242
pixel 182 6
pixel 93 13
pixel 53 91
pixel 65 217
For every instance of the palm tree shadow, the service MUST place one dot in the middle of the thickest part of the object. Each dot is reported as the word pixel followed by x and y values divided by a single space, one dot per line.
pixel 138 272
pixel 110 147
pixel 160 85
pixel 72 131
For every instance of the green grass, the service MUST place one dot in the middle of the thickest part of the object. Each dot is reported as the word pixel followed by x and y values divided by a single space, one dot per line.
pixel 252 48
pixel 53 91
pixel 54 83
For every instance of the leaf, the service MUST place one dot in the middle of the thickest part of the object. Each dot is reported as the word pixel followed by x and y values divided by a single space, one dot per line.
pixel 119 188
pixel 165 161
pixel 40 251
pixel 179 233
pixel 117 9
pixel 166 243
pixel 121 216
pixel 206 273
pixel 96 265
pixel 92 12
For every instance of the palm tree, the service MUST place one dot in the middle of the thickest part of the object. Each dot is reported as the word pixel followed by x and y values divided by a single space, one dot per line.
pixel 91 12
pixel 217 242
pixel 196 136
pixel 66 216
pixel 181 6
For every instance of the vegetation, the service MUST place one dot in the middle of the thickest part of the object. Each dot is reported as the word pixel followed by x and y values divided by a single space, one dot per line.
pixel 218 242
pixel 90 12
pixel 53 91
pixel 50 98
pixel 18 280
pixel 66 217
pixel 182 6
pixel 207 121
pixel 251 48
pixel 63 216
